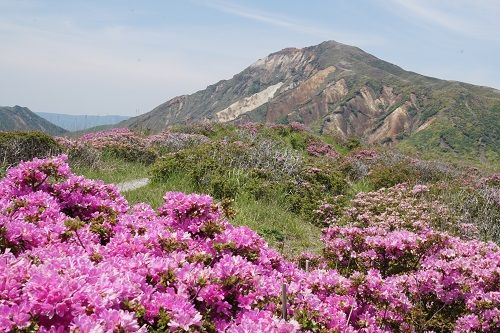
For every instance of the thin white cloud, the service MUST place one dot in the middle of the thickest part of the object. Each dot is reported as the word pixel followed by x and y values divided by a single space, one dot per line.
pixel 475 19
pixel 268 18
pixel 292 24
pixel 431 14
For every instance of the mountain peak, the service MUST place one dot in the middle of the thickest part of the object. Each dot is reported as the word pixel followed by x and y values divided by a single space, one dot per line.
pixel 337 89
pixel 287 50
pixel 331 43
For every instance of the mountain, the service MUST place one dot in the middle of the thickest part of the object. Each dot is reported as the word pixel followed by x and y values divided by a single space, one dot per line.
pixel 80 122
pixel 341 90
pixel 18 118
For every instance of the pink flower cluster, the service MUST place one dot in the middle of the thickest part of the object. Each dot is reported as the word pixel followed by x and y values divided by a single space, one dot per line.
pixel 317 148
pixel 445 283
pixel 124 137
pixel 250 127
pixel 74 257
pixel 399 207
pixel 299 127
pixel 365 154
pixel 111 137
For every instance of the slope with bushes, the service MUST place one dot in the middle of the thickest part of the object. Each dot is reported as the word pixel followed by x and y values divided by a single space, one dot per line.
pixel 280 172
pixel 75 257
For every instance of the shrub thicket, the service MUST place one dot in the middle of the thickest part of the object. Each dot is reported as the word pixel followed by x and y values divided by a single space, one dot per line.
pixel 264 169
pixel 24 146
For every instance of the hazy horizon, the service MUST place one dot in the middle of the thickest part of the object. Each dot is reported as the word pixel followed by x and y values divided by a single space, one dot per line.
pixel 125 58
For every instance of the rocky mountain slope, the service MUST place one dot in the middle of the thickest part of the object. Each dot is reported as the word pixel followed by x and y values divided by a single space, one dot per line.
pixel 18 118
pixel 74 123
pixel 342 90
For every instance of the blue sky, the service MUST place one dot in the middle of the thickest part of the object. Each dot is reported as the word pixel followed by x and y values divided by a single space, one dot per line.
pixel 126 57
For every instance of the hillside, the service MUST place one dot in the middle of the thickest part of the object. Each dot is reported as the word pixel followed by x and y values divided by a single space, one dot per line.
pixel 343 91
pixel 276 177
pixel 20 118
pixel 296 235
pixel 80 122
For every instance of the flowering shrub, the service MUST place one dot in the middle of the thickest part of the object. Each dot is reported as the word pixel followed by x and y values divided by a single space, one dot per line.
pixel 118 142
pixel 173 141
pixel 224 168
pixel 315 184
pixel 115 136
pixel 124 143
pixel 74 257
pixel 391 235
pixel 299 127
pixel 366 154
pixel 401 206
pixel 250 127
pixel 170 141
pixel 317 148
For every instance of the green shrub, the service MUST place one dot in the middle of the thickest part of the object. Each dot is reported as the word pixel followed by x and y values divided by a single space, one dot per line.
pixel 262 156
pixel 131 153
pixel 298 141
pixel 317 183
pixel 84 156
pixel 383 175
pixel 24 146
pixel 262 187
pixel 353 143
pixel 224 186
pixel 209 168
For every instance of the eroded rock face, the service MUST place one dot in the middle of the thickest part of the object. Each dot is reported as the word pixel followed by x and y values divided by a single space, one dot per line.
pixel 302 99
pixel 247 104
pixel 397 123
pixel 373 116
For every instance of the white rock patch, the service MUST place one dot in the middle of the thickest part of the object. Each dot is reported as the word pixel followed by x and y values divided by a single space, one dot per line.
pixel 247 104
pixel 425 125
pixel 132 185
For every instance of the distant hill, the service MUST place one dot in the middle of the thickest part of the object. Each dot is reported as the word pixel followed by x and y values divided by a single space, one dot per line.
pixel 341 90
pixel 18 118
pixel 80 122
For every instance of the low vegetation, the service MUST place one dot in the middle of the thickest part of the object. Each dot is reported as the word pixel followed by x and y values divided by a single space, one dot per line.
pixel 75 256
pixel 391 243
pixel 256 169
pixel 23 146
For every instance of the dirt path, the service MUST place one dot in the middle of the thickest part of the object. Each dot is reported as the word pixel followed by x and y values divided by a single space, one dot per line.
pixel 132 184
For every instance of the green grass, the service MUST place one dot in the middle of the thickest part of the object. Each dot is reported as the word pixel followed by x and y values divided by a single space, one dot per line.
pixel 335 143
pixel 153 192
pixel 114 170
pixel 282 229
pixel 362 185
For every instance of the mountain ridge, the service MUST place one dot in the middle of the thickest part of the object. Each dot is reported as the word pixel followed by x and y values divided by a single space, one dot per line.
pixel 18 118
pixel 341 90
